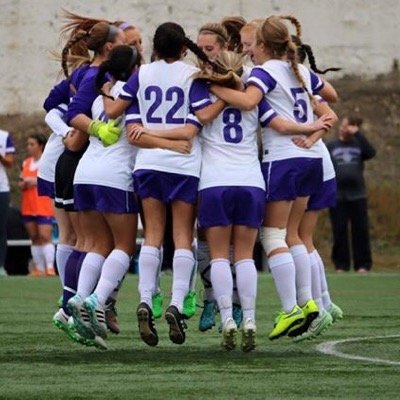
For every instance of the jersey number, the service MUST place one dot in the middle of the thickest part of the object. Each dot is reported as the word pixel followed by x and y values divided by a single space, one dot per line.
pixel 233 132
pixel 300 105
pixel 174 95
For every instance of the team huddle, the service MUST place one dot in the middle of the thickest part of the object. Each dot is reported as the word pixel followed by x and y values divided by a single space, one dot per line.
pixel 230 143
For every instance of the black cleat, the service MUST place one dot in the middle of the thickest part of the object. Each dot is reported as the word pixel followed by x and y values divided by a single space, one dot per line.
pixel 147 328
pixel 177 325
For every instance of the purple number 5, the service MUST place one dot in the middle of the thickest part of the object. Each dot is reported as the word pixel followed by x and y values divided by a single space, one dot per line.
pixel 300 105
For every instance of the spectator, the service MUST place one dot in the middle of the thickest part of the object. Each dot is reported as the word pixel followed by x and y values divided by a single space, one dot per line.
pixel 37 211
pixel 7 151
pixel 348 154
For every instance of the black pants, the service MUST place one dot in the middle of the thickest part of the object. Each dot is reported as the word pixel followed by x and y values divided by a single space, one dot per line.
pixel 4 205
pixel 356 213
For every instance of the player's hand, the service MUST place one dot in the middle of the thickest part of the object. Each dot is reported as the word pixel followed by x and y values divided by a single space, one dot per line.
pixel 135 131
pixel 181 146
pixel 303 142
pixel 323 123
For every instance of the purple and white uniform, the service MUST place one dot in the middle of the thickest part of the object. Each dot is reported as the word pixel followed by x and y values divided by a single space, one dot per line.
pixel 232 188
pixel 6 147
pixel 289 171
pixel 103 178
pixel 164 94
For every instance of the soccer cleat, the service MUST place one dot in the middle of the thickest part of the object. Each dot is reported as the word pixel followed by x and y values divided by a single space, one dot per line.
pixel 177 325
pixel 285 321
pixel 60 301
pixel 237 314
pixel 207 317
pixel 97 315
pixel 336 312
pixel 111 316
pixel 229 333
pixel 61 321
pixel 97 342
pixel 249 335
pixel 318 326
pixel 147 329
pixel 157 305
pixel 81 317
pixel 311 311
pixel 189 305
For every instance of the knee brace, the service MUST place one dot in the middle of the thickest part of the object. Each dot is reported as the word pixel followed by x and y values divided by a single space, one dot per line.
pixel 272 239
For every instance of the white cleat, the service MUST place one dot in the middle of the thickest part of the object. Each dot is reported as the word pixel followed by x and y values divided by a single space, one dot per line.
pixel 317 327
pixel 249 335
pixel 229 333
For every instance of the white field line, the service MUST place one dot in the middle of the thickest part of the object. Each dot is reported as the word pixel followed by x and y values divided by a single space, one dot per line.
pixel 330 349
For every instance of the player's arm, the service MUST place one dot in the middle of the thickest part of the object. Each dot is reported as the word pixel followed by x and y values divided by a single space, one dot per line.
pixel 246 100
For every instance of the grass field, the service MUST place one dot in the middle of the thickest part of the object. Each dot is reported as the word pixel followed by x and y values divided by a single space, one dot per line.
pixel 38 362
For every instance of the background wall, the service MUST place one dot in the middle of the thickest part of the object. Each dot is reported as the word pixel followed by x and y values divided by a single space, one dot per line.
pixel 359 35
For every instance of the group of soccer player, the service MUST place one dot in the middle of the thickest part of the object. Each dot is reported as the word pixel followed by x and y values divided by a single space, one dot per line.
pixel 231 142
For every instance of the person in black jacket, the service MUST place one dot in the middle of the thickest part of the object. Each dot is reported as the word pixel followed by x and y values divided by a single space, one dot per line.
pixel 348 154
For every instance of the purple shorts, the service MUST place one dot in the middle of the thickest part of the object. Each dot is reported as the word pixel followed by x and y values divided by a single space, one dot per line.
pixel 231 205
pixel 104 199
pixel 325 197
pixel 45 188
pixel 292 178
pixel 165 186
pixel 39 219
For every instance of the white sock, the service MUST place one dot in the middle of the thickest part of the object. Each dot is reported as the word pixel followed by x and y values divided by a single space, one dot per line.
pixel 235 293
pixel 114 294
pixel 316 281
pixel 182 266
pixel 303 273
pixel 62 253
pixel 38 257
pixel 114 269
pixel 284 273
pixel 326 298
pixel 204 268
pixel 246 279
pixel 193 275
pixel 222 282
pixel 49 254
pixel 89 274
pixel 149 262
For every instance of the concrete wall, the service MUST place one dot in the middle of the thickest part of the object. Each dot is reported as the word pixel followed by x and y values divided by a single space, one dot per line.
pixel 359 35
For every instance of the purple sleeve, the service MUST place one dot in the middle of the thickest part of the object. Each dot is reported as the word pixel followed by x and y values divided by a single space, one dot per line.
pixel 192 119
pixel 84 97
pixel 10 148
pixel 58 95
pixel 262 80
pixel 265 113
pixel 316 83
pixel 199 95
pixel 130 89
pixel 132 114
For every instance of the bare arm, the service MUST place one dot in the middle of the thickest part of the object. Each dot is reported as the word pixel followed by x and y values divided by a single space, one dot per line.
pixel 328 93
pixel 7 159
pixel 186 132
pixel 246 100
pixel 209 113
pixel 115 108
pixel 287 127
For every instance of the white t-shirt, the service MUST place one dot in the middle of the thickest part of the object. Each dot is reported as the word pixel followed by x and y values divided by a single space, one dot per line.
pixel 110 166
pixel 284 93
pixel 163 97
pixel 6 147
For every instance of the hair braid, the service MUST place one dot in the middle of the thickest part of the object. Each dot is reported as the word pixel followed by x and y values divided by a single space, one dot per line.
pixel 65 52
pixel 311 59
pixel 294 22
pixel 197 51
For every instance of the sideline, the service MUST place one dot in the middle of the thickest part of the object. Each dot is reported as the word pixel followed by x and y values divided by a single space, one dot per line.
pixel 329 348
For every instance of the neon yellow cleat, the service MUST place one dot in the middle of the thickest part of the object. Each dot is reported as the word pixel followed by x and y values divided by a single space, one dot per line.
pixel 285 321
pixel 311 311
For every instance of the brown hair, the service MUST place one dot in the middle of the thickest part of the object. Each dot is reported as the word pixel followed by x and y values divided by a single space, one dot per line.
pixel 84 34
pixel 355 120
pixel 274 34
pixel 233 25
pixel 216 29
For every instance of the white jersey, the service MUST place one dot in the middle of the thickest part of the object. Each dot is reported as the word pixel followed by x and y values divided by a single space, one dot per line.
pixel 6 147
pixel 110 166
pixel 327 164
pixel 165 97
pixel 277 81
pixel 54 146
pixel 229 148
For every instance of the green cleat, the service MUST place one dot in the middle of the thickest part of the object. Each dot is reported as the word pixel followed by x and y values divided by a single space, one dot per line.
pixel 157 305
pixel 336 312
pixel 189 305
pixel 286 321
pixel 60 302
pixel 97 315
pixel 207 318
pixel 311 311
pixel 81 318
pixel 237 314
pixel 317 327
